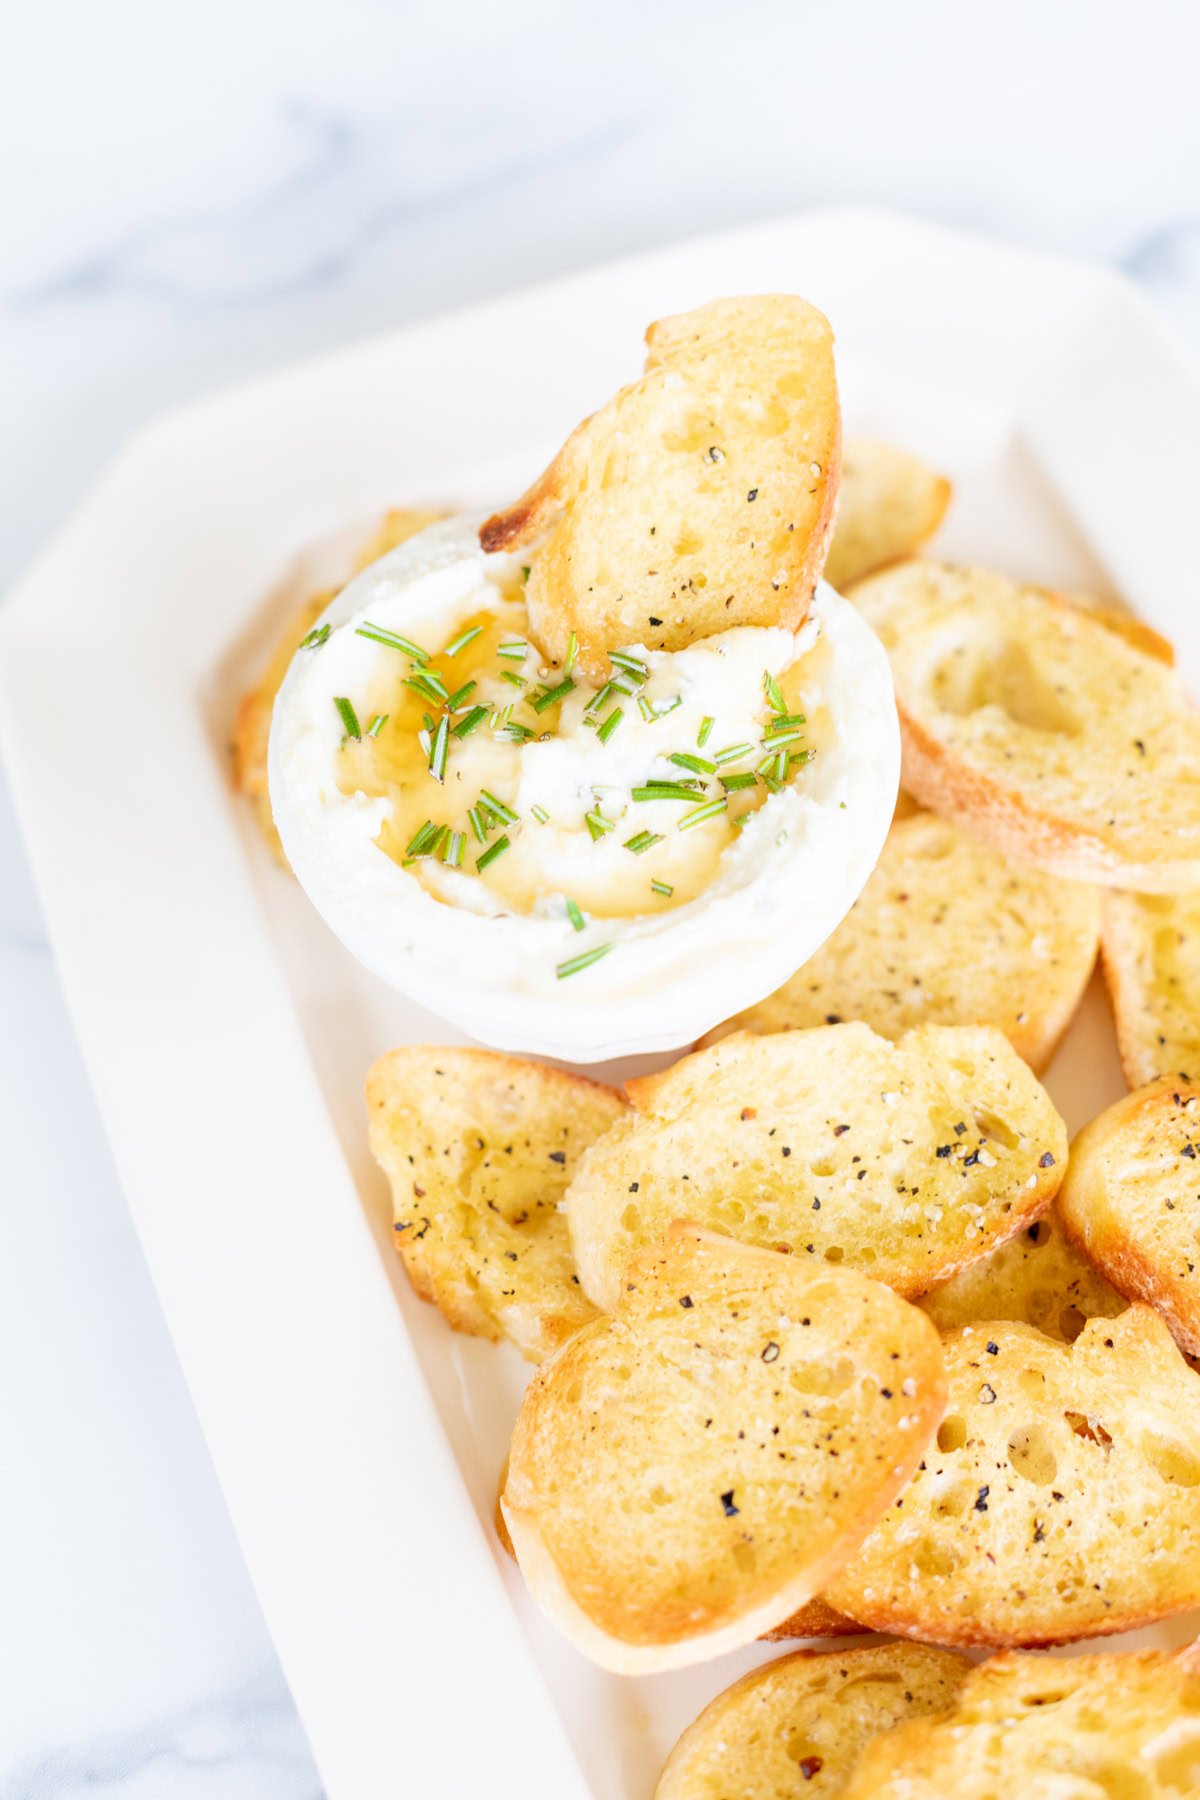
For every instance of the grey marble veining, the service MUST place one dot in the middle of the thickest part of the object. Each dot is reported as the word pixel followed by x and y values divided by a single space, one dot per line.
pixel 198 192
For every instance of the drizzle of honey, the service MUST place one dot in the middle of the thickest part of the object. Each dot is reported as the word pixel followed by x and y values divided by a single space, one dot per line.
pixel 395 766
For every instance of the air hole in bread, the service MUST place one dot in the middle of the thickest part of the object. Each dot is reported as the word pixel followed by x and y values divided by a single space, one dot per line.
pixel 826 1380
pixel 690 431
pixel 1031 1457
pixel 1172 1460
pixel 994 1128
pixel 1032 1383
pixel 954 1501
pixel 952 1433
pixel 934 1558
pixel 1003 675
pixel 762 418
pixel 687 543
pixel 1070 1323
pixel 1084 1426
pixel 801 1749
pixel 835 1254
pixel 630 1217
pixel 743 1556
pixel 1178 1766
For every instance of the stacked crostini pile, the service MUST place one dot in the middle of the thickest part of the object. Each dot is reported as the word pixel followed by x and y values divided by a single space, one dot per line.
pixel 833 1331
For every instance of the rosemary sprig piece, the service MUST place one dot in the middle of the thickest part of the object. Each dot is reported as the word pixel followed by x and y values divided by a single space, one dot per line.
pixel 438 749
pixel 705 731
pixel 379 634
pixel 348 716
pixel 605 731
pixel 667 790
pixel 461 642
pixel 574 964
pixel 492 852
pixel 643 841
pixel 709 810
pixel 552 696
pixel 699 765
pixel 377 724
pixel 466 725
pixel 316 637
pixel 575 915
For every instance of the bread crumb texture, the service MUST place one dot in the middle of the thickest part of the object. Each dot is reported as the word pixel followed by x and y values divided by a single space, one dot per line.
pixel 907 1161
pixel 797 1726
pixel 1131 1201
pixel 1125 1727
pixel 701 496
pixel 889 504
pixel 1151 956
pixel 479 1149
pixel 947 932
pixel 700 1460
pixel 1046 733
pixel 1038 1278
pixel 1059 1500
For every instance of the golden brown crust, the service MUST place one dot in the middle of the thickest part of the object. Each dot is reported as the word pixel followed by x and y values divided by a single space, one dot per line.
pixel 702 496
pixel 479 1148
pixel 1131 1200
pixel 1039 729
pixel 690 1469
pixel 805 1719
pixel 1150 954
pixel 907 1161
pixel 1060 1500
pixel 946 932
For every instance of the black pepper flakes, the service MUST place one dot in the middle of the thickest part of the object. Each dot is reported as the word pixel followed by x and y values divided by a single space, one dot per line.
pixel 992 1347
pixel 731 1511
pixel 753 494
pixel 810 1766
pixel 1045 1161
pixel 686 1301
pixel 981 1499
pixel 558 1156
pixel 771 1352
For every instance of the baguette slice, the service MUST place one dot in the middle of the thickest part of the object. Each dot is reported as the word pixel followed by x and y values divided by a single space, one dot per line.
pixel 1150 947
pixel 701 496
pixel 1131 1201
pixel 1116 616
pixel 1060 1501
pixel 947 933
pixel 1038 728
pixel 907 1161
pixel 1037 1278
pixel 690 1469
pixel 798 1725
pixel 252 727
pixel 1040 1728
pixel 478 1149
pixel 889 504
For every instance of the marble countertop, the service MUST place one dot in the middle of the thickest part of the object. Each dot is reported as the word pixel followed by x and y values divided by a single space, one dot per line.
pixel 203 191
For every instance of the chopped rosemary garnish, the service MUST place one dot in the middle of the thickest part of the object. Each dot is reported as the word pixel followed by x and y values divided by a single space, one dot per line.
pixel 666 705
pixel 452 855
pixel 597 824
pixel 421 839
pixel 773 692
pixel 525 571
pixel 662 887
pixel 774 767
pixel 774 739
pixel 732 783
pixel 456 699
pixel 553 695
pixel 731 753
pixel 475 819
pixel 460 643
pixel 605 731
pixel 511 675
pixel 742 819
pixel 623 682
pixel 572 653
pixel 514 649
pixel 574 964
pixel 469 721
pixel 598 698
pixel 504 815
pixel 645 840
pixel 425 739
pixel 781 721
pixel 429 722
pixel 666 790
pixel 576 917
pixel 540 814
pixel 800 757
pixel 491 853
pixel 709 810
pixel 348 716
pixel 315 638
pixel 377 724
pixel 512 733
pixel 697 764
pixel 429 683
pixel 380 634
pixel 437 753
pixel 620 659
pixel 705 731
pixel 435 842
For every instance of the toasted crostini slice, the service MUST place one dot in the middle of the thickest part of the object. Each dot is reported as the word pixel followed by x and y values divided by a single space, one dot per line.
pixel 799 1725
pixel 1131 1200
pixel 691 1468
pixel 907 1161
pixel 1049 1728
pixel 1150 953
pixel 1037 1278
pixel 479 1148
pixel 1060 1500
pixel 1042 731
pixel 890 504
pixel 701 496
pixel 947 932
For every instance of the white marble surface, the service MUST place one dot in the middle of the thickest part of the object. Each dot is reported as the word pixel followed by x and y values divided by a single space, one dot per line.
pixel 195 191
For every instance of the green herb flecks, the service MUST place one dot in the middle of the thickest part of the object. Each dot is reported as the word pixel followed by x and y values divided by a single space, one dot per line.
pixel 316 637
pixel 552 696
pixel 348 716
pixel 644 840
pixel 662 887
pixel 731 753
pixel 705 731
pixel 438 749
pixel 377 724
pixel 491 853
pixel 456 700
pixel 504 815
pixel 460 643
pixel 667 790
pixel 605 731
pixel 452 855
pixel 774 693
pixel 572 653
pixel 575 915
pixel 699 765
pixel 379 634
pixel 574 964
pixel 514 649
pixel 467 724
pixel 597 824
pixel 734 783
pixel 702 814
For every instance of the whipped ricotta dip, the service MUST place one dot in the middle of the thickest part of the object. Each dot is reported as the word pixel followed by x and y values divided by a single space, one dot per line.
pixel 558 867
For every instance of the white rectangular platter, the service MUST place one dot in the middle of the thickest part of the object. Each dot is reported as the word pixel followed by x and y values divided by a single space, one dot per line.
pixel 358 1441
